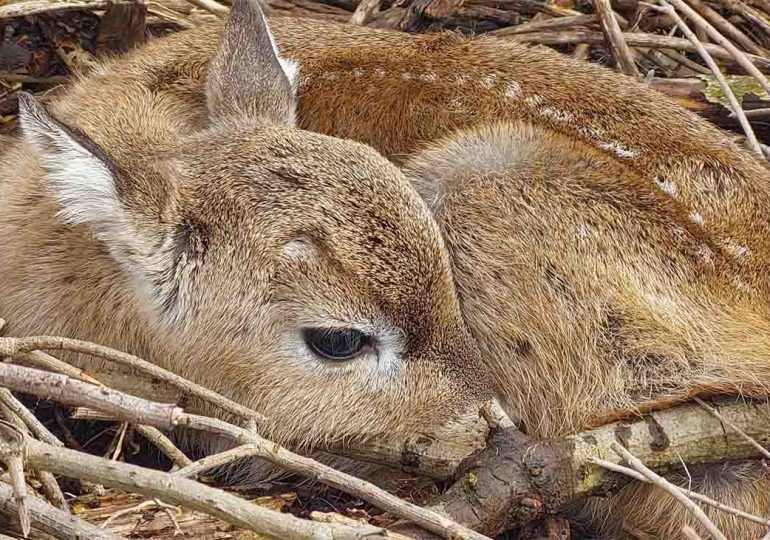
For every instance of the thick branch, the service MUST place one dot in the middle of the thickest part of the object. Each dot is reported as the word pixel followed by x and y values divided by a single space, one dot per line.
pixel 73 392
pixel 518 479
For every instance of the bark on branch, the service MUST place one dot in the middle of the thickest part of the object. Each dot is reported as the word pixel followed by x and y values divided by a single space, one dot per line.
pixel 518 479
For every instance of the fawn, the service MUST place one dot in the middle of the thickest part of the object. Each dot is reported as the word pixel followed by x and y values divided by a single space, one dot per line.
pixel 296 273
pixel 610 249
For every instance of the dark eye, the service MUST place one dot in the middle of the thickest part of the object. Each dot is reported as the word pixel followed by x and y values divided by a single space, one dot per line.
pixel 336 344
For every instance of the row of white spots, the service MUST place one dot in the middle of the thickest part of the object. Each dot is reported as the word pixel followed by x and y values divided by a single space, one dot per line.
pixel 512 91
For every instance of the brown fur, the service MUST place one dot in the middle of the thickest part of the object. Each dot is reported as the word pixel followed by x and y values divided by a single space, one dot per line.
pixel 647 283
pixel 207 252
pixel 589 292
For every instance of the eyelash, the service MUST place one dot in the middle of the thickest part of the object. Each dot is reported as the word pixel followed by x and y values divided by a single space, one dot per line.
pixel 337 344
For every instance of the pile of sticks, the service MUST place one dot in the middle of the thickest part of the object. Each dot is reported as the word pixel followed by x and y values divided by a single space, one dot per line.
pixel 515 482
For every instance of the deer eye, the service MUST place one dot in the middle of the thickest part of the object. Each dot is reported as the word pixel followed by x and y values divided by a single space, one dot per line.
pixel 336 344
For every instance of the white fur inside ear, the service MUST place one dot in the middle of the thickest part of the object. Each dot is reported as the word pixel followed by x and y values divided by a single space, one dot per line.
pixel 290 67
pixel 82 183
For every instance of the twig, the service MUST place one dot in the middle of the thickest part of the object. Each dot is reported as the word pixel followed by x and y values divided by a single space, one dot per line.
pixel 167 14
pixel 546 24
pixel 726 27
pixel 671 489
pixel 164 444
pixel 138 508
pixel 53 521
pixel 758 113
pixel 365 11
pixel 11 452
pixel 212 7
pixel 119 442
pixel 690 533
pixel 13 346
pixel 618 46
pixel 735 105
pixel 683 60
pixel 51 363
pixel 692 494
pixel 186 493
pixel 740 56
pixel 52 490
pixel 73 392
pixel 217 460
pixel 732 426
pixel 35 7
pixel 634 39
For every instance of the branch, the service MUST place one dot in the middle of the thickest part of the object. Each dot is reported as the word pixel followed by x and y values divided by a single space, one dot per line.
pixel 186 493
pixel 73 392
pixel 164 444
pixel 35 7
pixel 740 57
pixel 52 521
pixel 13 346
pixel 671 489
pixel 518 479
pixel 142 411
pixel 638 39
pixel 618 46
pixel 735 105
pixel 365 11
pixel 692 494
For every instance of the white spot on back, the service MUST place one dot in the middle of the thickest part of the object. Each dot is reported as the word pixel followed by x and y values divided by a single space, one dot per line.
pixel 299 249
pixel 666 186
pixel 534 100
pixel 696 218
pixel 740 252
pixel 380 72
pixel 562 117
pixel 358 72
pixel 512 90
pixel 406 76
pixel 428 77
pixel 591 132
pixel 488 81
pixel 619 149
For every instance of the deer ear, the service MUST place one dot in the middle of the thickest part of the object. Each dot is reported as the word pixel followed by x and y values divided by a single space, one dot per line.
pixel 246 77
pixel 79 173
pixel 84 181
